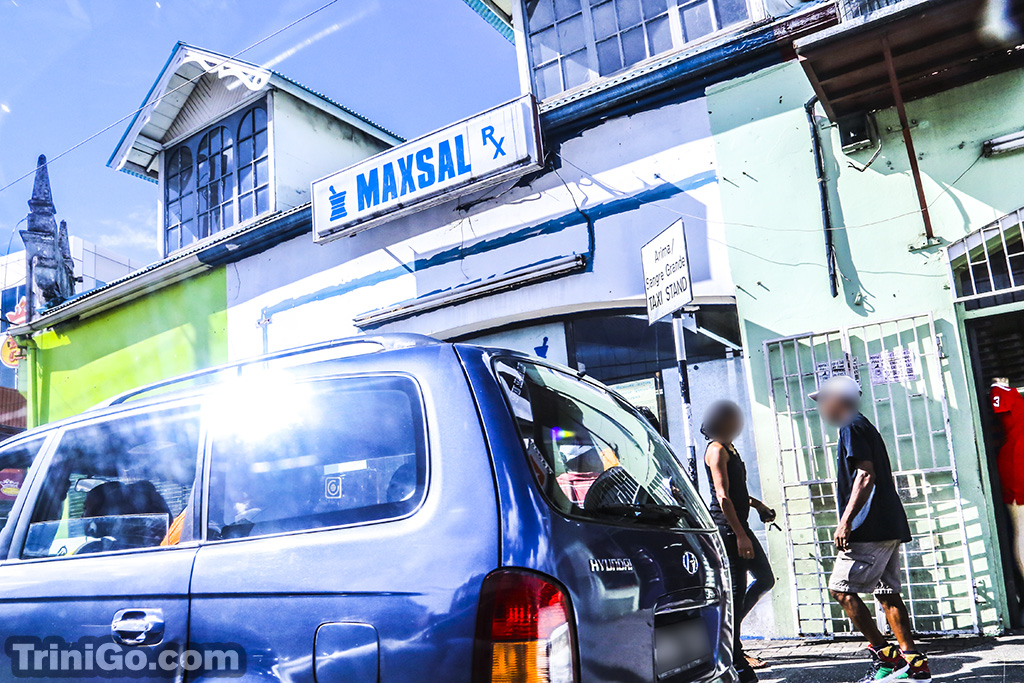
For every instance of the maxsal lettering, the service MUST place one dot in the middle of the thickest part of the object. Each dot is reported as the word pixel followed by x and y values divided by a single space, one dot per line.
pixel 415 171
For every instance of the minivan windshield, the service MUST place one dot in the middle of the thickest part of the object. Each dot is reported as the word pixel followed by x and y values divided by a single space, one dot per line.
pixel 594 456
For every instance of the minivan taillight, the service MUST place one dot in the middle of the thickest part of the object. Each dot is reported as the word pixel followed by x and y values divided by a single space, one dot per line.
pixel 525 631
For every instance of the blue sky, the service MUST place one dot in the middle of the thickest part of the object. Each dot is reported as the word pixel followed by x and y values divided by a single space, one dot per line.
pixel 69 68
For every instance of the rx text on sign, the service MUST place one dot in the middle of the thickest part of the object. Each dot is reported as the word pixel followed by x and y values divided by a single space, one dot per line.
pixel 485 149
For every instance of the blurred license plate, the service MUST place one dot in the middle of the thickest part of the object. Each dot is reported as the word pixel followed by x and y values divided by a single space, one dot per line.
pixel 680 648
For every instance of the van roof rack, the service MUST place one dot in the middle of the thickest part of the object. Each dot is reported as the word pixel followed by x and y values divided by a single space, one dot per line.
pixel 382 342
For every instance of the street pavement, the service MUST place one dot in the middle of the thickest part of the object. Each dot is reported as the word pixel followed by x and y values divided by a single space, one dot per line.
pixel 984 660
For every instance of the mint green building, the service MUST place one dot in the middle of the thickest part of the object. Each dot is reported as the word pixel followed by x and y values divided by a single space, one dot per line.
pixel 926 306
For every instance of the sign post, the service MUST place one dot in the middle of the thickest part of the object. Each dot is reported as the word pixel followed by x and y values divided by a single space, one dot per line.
pixel 667 288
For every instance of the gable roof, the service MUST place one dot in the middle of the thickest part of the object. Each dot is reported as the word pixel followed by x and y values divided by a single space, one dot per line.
pixel 497 13
pixel 194 86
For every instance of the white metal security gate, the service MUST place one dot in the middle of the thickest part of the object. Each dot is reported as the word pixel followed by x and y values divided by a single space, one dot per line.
pixel 898 364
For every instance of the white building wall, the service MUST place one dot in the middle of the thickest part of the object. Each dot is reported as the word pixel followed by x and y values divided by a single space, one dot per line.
pixel 631 176
pixel 309 144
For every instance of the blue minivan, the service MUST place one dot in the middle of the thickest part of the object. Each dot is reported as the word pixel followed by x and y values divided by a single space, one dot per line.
pixel 388 508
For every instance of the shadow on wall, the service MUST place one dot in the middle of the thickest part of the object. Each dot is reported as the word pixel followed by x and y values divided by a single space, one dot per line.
pixel 857 297
pixel 476 239
pixel 761 132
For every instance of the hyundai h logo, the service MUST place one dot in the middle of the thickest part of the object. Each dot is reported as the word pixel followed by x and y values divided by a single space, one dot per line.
pixel 690 562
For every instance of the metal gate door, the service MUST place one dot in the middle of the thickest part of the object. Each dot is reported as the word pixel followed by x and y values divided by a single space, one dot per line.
pixel 898 364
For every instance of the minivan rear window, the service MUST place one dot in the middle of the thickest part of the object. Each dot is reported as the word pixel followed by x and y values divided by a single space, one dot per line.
pixel 593 455
pixel 290 455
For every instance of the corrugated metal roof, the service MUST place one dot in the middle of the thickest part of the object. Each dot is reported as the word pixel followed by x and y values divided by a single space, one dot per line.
pixel 337 104
pixel 41 320
pixel 501 20
pixel 149 94
pixel 934 45
pixel 185 72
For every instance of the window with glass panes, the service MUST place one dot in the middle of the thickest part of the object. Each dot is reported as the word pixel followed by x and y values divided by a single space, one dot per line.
pixel 573 42
pixel 216 191
pixel 253 165
pixel 179 206
pixel 217 178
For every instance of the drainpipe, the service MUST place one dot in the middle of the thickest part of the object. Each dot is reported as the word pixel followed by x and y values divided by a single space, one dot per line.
pixel 29 344
pixel 826 211
pixel 30 294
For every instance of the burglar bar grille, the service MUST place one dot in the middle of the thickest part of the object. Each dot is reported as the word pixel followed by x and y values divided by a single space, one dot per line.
pixel 898 364
pixel 851 9
pixel 988 261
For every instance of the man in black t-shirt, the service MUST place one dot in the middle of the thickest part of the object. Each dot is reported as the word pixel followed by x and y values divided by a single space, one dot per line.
pixel 872 527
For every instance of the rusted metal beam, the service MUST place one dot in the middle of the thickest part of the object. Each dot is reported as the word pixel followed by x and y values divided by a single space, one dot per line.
pixel 908 139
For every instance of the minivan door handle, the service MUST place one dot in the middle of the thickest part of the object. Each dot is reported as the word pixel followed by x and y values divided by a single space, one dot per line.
pixel 135 627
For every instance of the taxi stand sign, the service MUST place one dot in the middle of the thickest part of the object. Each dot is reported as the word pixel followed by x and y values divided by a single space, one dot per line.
pixel 470 155
pixel 667 288
pixel 666 266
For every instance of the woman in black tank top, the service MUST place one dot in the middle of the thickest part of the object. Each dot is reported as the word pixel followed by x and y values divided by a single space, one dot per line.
pixel 730 507
pixel 736 470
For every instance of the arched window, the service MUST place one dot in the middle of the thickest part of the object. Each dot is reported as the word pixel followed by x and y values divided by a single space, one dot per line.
pixel 216 187
pixel 253 165
pixel 180 204
pixel 215 178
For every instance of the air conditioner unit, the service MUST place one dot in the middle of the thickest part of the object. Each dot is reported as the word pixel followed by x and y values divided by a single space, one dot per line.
pixel 856 132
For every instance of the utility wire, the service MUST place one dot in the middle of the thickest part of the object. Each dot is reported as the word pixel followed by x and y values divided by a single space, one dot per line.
pixel 658 204
pixel 946 190
pixel 169 92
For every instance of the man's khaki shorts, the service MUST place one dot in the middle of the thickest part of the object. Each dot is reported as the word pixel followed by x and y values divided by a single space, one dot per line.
pixel 872 567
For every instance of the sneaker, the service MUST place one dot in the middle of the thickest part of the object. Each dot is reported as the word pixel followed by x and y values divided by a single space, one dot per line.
pixel 917 668
pixel 887 664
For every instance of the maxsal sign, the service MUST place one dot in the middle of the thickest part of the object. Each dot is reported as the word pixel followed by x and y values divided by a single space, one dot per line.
pixel 666 273
pixel 498 144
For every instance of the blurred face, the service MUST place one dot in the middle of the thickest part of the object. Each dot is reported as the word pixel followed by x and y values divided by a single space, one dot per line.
pixel 731 426
pixel 837 410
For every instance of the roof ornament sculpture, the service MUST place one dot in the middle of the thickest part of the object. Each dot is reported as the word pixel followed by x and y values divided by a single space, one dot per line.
pixel 47 247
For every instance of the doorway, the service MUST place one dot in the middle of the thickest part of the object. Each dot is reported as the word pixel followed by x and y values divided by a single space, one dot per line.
pixel 996 345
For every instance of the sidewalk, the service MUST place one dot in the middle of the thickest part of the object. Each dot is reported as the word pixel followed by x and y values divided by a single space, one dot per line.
pixel 984 660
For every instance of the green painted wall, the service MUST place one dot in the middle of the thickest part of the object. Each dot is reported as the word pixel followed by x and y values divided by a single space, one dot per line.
pixel 165 333
pixel 776 248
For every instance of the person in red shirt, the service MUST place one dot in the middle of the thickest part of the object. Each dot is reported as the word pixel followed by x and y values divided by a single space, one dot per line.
pixel 1009 405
